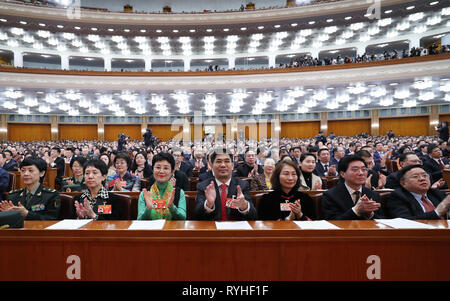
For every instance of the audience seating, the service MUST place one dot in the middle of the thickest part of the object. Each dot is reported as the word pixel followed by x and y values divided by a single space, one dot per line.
pixel 329 181
pixel 12 181
pixel 193 183
pixel 67 204
pixel 129 202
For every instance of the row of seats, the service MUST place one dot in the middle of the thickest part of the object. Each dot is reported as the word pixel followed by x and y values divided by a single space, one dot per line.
pixel 129 203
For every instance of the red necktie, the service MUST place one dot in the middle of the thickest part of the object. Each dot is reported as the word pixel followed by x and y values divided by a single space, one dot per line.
pixel 441 164
pixel 223 200
pixel 427 204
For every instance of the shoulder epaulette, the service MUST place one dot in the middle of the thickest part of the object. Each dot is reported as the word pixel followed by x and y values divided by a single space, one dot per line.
pixel 15 191
pixel 48 189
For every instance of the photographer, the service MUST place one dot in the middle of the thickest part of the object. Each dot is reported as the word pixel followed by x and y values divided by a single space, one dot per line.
pixel 122 141
pixel 442 128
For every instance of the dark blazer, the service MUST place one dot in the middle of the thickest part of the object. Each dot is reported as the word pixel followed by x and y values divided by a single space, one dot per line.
pixel 392 181
pixel 112 200
pixel 182 181
pixel 433 168
pixel 60 165
pixel 204 176
pixel 245 169
pixel 401 203
pixel 337 203
pixel 203 169
pixel 320 170
pixel 232 214
pixel 12 165
pixel 269 206
pixel 187 168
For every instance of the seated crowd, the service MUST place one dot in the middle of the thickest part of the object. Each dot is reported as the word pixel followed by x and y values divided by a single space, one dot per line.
pixel 350 173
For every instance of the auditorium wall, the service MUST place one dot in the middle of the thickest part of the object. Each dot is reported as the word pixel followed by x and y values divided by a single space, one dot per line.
pixel 405 126
pixel 349 127
pixel 299 129
pixel 29 132
pixel 112 131
pixel 78 132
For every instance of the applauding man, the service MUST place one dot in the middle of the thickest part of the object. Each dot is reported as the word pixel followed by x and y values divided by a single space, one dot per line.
pixel 350 199
pixel 224 197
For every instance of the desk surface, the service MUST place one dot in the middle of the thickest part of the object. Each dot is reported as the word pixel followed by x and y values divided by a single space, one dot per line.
pixel 195 250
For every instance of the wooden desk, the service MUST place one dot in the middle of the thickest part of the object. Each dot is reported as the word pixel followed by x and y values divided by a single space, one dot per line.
pixel 194 250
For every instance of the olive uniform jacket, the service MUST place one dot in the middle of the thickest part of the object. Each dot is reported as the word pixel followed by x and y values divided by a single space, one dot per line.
pixel 43 205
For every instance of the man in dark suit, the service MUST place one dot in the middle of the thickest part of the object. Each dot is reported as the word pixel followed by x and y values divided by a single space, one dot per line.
pixel 338 154
pixel 249 168
pixel 56 161
pixel 404 160
pixel 415 199
pixel 324 167
pixel 182 165
pixel 224 197
pixel 10 164
pixel 199 162
pixel 435 164
pixel 350 199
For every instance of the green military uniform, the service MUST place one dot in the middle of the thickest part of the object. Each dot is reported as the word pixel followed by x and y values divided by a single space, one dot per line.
pixel 76 186
pixel 42 204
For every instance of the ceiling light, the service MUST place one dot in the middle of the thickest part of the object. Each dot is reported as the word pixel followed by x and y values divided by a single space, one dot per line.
pixel 126 30
pixel 410 7
pixel 111 29
pixel 329 20
pixel 348 18
pixel 143 30
pixel 60 26
pixel 158 30
pixel 434 3
pixel 388 11
pixel 294 24
pixel 3 20
pixel 191 30
pixel 226 29
pixel 260 27
pixel 243 28
pixel 277 26
pixel 209 30
pixel 175 30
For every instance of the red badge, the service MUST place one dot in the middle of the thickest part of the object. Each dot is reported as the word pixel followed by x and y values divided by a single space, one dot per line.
pixel 285 207
pixel 104 209
pixel 159 204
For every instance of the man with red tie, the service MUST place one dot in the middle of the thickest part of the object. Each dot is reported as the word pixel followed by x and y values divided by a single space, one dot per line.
pixel 435 164
pixel 224 197
pixel 415 199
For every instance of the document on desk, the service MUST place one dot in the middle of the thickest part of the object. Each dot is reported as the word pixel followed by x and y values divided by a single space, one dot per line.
pixel 244 225
pixel 70 224
pixel 314 225
pixel 147 225
pixel 401 223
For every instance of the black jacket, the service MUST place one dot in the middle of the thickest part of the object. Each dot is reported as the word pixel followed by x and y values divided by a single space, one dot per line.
pixel 269 205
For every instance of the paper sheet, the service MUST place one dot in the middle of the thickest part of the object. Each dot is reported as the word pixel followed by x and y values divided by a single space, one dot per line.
pixel 69 224
pixel 233 226
pixel 401 223
pixel 147 225
pixel 323 225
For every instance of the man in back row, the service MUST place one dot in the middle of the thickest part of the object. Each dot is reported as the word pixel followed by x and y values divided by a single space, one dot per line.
pixel 415 199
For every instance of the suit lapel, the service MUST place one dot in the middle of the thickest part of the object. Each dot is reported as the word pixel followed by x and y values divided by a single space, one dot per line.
pixel 413 202
pixel 347 199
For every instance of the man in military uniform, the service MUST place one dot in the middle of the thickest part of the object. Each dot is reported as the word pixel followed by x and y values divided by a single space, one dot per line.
pixel 34 202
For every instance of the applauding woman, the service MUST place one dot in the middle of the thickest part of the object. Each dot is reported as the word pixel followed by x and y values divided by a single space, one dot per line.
pixel 96 202
pixel 123 180
pixel 163 200
pixel 285 202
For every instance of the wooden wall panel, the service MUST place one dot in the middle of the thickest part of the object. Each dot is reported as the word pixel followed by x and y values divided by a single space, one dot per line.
pixel 300 129
pixel 164 131
pixel 444 117
pixel 405 126
pixel 349 127
pixel 78 131
pixel 29 132
pixel 112 131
